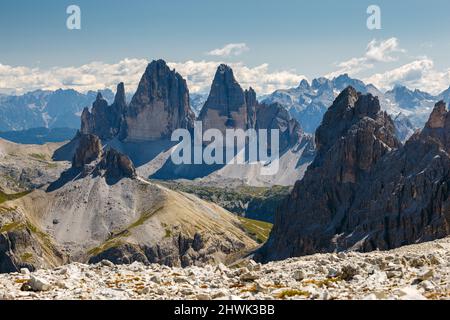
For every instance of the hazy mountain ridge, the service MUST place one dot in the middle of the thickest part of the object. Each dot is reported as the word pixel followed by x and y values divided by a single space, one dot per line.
pixel 48 109
pixel 308 102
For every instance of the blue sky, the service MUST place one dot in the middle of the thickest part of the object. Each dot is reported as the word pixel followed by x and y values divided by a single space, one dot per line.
pixel 290 38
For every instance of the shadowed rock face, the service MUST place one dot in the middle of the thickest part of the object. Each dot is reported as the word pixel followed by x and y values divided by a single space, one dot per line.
pixel 89 149
pixel 111 163
pixel 116 165
pixel 226 106
pixel 159 106
pixel 438 126
pixel 230 107
pixel 364 191
pixel 103 120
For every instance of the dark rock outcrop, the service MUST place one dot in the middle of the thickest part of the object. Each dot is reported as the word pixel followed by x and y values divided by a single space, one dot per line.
pixel 364 190
pixel 159 106
pixel 103 120
pixel 176 251
pixel 116 165
pixel 230 107
pixel 89 149
pixel 24 245
pixel 226 105
pixel 274 116
pixel 438 126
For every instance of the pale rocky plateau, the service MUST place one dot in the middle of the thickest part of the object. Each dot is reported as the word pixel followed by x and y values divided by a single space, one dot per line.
pixel 415 272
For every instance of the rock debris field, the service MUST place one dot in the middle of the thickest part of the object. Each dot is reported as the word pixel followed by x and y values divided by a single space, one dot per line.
pixel 416 272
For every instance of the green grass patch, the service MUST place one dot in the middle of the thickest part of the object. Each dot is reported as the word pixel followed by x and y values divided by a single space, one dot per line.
pixel 259 203
pixel 108 244
pixel 258 230
pixel 26 257
pixel 39 156
pixel 292 293
pixel 8 197
pixel 11 227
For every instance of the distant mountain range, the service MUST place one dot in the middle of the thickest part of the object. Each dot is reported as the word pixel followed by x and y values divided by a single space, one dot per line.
pixel 48 109
pixel 308 102
pixel 39 135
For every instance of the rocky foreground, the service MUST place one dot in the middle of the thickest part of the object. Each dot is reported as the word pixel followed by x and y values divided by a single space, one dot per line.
pixel 414 272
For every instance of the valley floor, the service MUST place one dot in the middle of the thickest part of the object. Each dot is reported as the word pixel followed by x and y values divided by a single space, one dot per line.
pixel 419 271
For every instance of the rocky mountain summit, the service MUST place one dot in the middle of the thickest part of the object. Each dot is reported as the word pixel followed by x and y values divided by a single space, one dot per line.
pixel 307 103
pixel 226 106
pixel 364 190
pixel 230 107
pixel 161 104
pixel 417 272
pixel 103 120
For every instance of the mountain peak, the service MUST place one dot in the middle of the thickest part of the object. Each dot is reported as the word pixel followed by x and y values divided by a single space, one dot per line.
pixel 347 110
pixel 159 106
pixel 304 84
pixel 438 125
pixel 120 97
pixel 99 96
pixel 223 68
pixel 226 106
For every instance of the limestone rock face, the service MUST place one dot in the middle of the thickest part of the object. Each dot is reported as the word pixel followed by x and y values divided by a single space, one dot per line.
pixel 226 106
pixel 364 190
pixel 103 120
pixel 438 126
pixel 159 106
pixel 230 107
pixel 89 149
pixel 22 245
pixel 117 165
pixel 274 116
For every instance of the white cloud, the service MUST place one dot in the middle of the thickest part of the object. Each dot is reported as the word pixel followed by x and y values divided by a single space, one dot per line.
pixel 100 75
pixel 200 74
pixel 382 51
pixel 231 49
pixel 419 74
pixel 376 52
pixel 92 76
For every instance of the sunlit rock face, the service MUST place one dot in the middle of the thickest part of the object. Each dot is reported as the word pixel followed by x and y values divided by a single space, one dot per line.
pixel 159 106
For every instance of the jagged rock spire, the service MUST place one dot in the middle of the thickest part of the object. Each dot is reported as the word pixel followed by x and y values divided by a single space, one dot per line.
pixel 89 149
pixel 438 125
pixel 159 106
pixel 226 106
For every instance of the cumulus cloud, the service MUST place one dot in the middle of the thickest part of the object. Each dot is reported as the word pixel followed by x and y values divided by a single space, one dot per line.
pixel 199 75
pixel 376 52
pixel 381 51
pixel 231 49
pixel 419 74
pixel 92 76
pixel 100 75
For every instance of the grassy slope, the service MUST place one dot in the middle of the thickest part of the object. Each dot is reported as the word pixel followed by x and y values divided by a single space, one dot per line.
pixel 8 197
pixel 257 203
pixel 259 230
